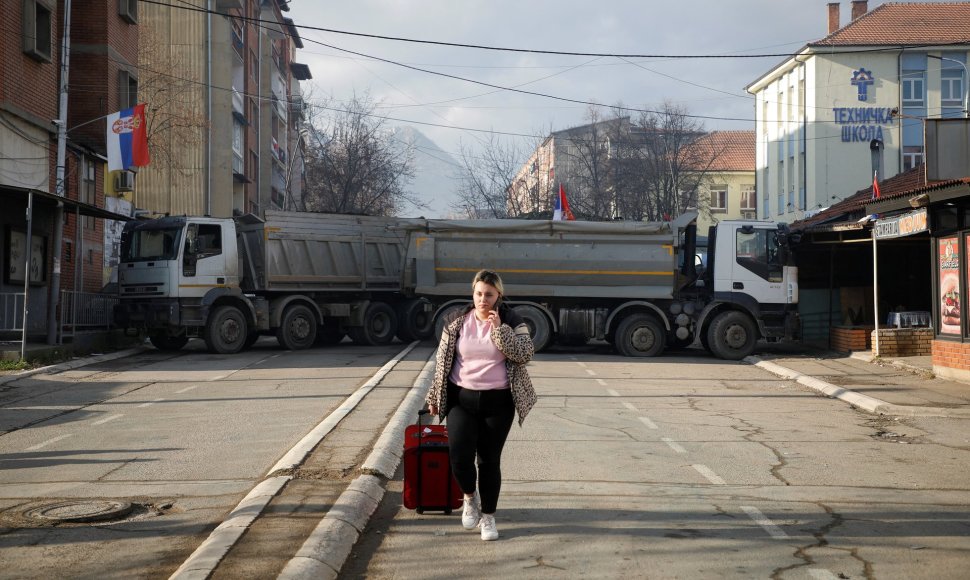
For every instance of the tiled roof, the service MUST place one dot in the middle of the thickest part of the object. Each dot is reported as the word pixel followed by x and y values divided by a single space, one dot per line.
pixel 897 23
pixel 853 207
pixel 734 150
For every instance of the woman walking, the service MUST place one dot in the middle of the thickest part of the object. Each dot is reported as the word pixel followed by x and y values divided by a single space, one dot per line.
pixel 480 382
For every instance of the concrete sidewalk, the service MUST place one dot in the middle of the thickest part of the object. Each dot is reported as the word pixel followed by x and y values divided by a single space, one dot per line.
pixel 904 386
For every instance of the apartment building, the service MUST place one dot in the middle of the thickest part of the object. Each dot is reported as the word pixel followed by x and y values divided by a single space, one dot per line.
pixel 237 63
pixel 103 60
pixel 853 103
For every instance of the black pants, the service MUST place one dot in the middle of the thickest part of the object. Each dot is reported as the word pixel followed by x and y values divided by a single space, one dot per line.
pixel 478 424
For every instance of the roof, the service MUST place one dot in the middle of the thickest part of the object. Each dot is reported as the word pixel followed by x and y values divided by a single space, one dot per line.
pixel 734 150
pixel 853 207
pixel 896 23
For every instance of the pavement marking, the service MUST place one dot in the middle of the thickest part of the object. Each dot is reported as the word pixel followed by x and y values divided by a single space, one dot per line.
pixel 652 425
pixel 601 382
pixel 48 442
pixel 106 419
pixel 671 443
pixel 630 406
pixel 150 403
pixel 185 390
pixel 591 372
pixel 612 393
pixel 220 377
pixel 821 574
pixel 709 474
pixel 581 363
pixel 769 526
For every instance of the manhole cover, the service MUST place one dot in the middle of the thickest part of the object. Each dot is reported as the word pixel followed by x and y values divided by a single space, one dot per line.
pixel 80 511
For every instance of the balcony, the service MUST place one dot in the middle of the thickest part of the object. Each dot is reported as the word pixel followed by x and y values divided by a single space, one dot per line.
pixel 279 153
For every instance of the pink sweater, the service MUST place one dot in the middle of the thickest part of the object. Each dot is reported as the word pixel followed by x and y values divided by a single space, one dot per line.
pixel 479 365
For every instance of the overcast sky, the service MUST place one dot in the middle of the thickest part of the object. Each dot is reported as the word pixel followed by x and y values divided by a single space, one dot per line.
pixel 708 86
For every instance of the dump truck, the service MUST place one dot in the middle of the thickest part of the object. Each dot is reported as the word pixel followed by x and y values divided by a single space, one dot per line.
pixel 307 278
pixel 637 285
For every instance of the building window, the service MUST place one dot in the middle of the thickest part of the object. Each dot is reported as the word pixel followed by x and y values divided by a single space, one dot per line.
pixel 718 203
pixel 914 88
pixel 237 147
pixel 127 90
pixel 912 157
pixel 37 26
pixel 749 198
pixel 88 189
pixel 951 89
pixel 128 10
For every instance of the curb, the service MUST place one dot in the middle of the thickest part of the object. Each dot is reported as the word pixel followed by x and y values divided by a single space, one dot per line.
pixel 72 364
pixel 864 402
pixel 902 365
pixel 327 548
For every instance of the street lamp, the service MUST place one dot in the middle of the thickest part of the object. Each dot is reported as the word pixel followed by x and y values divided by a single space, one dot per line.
pixel 965 83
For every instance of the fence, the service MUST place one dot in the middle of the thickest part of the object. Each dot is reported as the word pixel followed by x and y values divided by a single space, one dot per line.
pixel 86 311
pixel 11 311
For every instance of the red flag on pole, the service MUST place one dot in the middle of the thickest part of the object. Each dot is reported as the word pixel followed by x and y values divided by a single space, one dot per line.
pixel 875 185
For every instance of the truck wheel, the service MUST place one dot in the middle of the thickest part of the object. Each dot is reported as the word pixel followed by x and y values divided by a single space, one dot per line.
pixel 732 335
pixel 640 335
pixel 330 332
pixel 538 325
pixel 298 329
pixel 226 331
pixel 165 341
pixel 380 325
pixel 413 321
pixel 444 317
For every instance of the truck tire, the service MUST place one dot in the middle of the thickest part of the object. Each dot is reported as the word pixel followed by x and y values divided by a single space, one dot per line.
pixel 380 325
pixel 165 341
pixel 640 335
pixel 298 328
pixel 732 335
pixel 226 332
pixel 413 321
pixel 330 332
pixel 538 325
pixel 444 317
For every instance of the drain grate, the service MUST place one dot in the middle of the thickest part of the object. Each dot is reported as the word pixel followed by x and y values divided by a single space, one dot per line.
pixel 80 511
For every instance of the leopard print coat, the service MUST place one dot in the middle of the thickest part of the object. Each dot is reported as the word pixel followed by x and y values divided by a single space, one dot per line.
pixel 511 338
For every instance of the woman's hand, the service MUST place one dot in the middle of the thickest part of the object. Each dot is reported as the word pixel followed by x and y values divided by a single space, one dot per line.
pixel 494 318
pixel 433 409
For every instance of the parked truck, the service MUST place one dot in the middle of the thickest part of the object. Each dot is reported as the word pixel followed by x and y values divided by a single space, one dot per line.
pixel 638 285
pixel 307 278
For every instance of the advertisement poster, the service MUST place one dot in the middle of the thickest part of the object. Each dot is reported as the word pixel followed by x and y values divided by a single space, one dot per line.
pixel 949 285
pixel 112 238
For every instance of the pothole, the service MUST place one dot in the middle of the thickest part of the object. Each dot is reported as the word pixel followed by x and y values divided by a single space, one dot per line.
pixel 77 511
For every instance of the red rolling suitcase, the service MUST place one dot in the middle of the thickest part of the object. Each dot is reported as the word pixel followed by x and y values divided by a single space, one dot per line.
pixel 428 481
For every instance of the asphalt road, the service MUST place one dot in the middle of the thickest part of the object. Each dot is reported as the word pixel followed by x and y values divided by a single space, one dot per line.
pixel 691 467
pixel 673 467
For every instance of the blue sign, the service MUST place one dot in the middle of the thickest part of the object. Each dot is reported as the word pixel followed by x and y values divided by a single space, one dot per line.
pixel 862 78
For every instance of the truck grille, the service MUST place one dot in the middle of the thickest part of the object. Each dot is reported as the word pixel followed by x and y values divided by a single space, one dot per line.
pixel 141 290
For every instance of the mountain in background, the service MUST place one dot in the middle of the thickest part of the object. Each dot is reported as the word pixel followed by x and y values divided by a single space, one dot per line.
pixel 433 184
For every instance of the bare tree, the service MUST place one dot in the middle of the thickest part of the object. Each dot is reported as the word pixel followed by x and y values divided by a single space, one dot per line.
pixel 663 166
pixel 175 118
pixel 587 153
pixel 486 180
pixel 351 164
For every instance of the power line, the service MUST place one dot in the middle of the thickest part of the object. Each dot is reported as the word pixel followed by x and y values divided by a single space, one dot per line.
pixel 892 48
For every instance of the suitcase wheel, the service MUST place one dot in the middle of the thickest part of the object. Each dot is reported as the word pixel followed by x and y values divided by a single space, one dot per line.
pixel 420 511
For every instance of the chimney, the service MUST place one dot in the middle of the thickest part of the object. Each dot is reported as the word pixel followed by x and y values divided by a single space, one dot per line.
pixel 833 17
pixel 859 7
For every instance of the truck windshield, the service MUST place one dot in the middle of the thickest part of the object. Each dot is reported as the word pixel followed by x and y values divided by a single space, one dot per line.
pixel 151 244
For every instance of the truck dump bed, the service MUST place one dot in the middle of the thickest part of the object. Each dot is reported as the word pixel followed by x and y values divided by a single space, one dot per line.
pixel 320 252
pixel 545 258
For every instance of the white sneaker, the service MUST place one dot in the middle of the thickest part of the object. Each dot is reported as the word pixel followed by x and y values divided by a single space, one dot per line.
pixel 489 531
pixel 471 513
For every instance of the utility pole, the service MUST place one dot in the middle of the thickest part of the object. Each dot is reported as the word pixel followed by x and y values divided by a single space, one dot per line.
pixel 61 180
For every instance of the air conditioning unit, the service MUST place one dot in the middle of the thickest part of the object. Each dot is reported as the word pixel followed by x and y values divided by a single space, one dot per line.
pixel 749 215
pixel 124 181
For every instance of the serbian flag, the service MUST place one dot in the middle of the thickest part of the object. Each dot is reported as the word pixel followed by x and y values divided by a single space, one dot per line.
pixel 560 210
pixel 875 185
pixel 127 139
